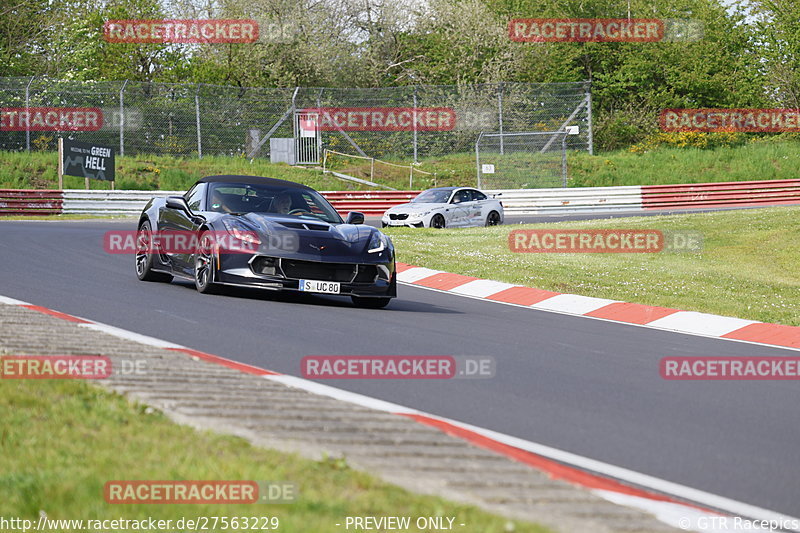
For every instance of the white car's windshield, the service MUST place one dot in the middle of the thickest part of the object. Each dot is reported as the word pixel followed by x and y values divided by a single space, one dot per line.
pixel 433 196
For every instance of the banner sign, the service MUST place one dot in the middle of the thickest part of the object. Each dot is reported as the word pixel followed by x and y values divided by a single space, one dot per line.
pixel 87 160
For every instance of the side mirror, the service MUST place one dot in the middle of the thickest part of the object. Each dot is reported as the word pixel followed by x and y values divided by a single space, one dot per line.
pixel 354 217
pixel 178 202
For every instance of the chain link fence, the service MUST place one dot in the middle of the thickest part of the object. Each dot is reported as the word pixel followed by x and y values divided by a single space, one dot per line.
pixel 528 160
pixel 406 123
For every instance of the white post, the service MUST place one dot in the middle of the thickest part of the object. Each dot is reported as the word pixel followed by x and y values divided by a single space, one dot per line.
pixel 122 119
pixel 197 117
pixel 500 112
pixel 60 163
pixel 28 114
pixel 415 123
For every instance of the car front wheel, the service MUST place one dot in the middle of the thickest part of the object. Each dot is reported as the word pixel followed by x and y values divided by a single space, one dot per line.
pixel 145 257
pixel 204 265
pixel 437 222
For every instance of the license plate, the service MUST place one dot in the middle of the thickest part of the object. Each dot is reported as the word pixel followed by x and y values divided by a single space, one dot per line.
pixel 327 287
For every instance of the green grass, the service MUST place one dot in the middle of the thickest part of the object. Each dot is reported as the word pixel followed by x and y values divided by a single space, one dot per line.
pixel 62 440
pixel 667 165
pixel 748 267
pixel 663 165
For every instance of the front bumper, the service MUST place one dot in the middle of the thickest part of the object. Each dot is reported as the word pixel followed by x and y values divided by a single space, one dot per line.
pixel 375 279
pixel 409 222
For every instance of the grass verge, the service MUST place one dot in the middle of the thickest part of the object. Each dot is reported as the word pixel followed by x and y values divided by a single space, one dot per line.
pixel 62 440
pixel 662 165
pixel 748 267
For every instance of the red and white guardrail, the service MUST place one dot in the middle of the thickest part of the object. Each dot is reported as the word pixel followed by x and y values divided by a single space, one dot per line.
pixel 515 201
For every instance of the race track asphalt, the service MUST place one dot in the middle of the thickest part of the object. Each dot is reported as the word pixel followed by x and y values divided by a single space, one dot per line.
pixel 586 386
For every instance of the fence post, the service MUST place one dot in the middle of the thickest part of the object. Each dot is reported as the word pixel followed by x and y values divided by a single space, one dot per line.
pixel 589 117
pixel 564 160
pixel 122 119
pixel 478 159
pixel 415 123
pixel 28 112
pixel 197 116
pixel 500 113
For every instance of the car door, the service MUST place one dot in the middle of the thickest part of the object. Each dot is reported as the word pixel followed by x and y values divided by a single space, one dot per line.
pixel 478 209
pixel 459 208
pixel 177 229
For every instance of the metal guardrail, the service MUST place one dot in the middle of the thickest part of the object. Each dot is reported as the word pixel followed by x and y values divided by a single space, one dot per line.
pixel 77 201
pixel 583 200
pixel 515 201
pixel 727 194
pixel 27 202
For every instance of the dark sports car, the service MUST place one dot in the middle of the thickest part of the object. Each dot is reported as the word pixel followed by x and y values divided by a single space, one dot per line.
pixel 267 233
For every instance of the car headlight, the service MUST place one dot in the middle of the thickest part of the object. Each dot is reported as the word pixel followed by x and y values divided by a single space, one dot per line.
pixel 377 243
pixel 241 231
pixel 419 215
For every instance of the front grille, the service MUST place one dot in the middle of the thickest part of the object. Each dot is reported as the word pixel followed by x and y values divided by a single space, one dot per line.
pixel 295 269
pixel 395 216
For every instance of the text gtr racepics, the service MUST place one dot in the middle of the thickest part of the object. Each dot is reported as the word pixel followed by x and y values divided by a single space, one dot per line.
pixel 266 233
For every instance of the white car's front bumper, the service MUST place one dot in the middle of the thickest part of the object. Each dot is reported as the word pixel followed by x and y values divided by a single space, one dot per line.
pixel 416 222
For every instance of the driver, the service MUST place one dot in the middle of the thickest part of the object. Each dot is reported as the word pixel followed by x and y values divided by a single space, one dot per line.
pixel 218 202
pixel 282 203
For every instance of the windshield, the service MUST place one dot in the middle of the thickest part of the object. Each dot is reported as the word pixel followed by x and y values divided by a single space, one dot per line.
pixel 238 198
pixel 433 196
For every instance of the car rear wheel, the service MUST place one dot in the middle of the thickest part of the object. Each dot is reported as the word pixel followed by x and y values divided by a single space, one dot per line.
pixel 493 219
pixel 437 222
pixel 144 257
pixel 370 303
pixel 204 265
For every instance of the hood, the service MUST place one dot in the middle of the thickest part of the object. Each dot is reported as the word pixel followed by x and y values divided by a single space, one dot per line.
pixel 309 237
pixel 415 207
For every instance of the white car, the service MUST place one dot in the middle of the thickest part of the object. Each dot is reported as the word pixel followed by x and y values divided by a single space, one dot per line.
pixel 446 207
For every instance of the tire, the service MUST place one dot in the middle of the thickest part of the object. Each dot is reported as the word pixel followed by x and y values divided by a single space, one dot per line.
pixel 370 303
pixel 144 260
pixel 493 219
pixel 438 221
pixel 204 265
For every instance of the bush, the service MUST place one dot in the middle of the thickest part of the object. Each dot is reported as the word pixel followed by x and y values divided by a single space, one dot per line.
pixel 690 139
